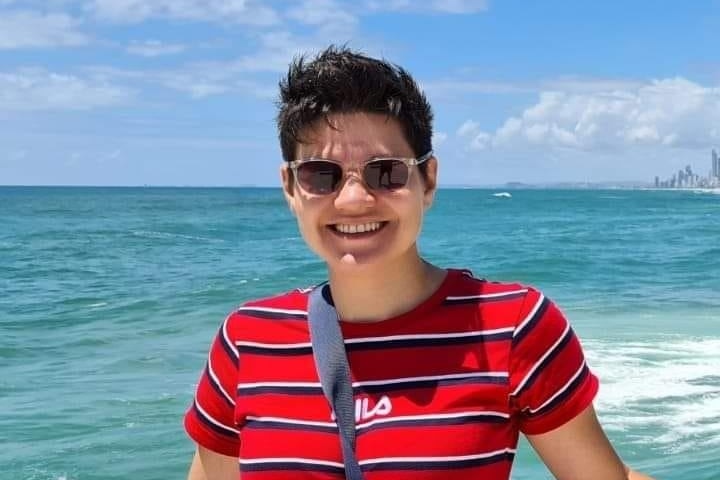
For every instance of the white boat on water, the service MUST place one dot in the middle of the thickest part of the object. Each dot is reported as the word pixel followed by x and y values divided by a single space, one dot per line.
pixel 502 195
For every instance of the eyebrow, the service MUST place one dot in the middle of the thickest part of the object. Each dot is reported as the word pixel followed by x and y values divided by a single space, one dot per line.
pixel 374 156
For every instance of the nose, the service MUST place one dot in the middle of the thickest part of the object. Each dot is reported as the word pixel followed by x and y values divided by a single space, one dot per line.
pixel 353 195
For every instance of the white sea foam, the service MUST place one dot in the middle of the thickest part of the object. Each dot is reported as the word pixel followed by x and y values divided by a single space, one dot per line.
pixel 668 385
pixel 153 234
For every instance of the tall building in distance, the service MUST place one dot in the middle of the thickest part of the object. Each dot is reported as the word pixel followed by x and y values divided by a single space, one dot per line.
pixel 686 178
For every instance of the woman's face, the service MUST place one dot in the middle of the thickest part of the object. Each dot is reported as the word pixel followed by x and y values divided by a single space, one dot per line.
pixel 342 227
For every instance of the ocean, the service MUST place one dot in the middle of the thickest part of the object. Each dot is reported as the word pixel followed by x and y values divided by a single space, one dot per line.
pixel 109 298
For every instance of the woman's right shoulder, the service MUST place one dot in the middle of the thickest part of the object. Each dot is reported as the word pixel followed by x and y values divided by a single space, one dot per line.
pixel 268 316
pixel 289 299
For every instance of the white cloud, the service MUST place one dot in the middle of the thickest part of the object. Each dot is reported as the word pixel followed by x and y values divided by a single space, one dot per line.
pixel 458 6
pixel 245 12
pixel 461 88
pixel 196 86
pixel 468 129
pixel 326 14
pixel 260 90
pixel 436 6
pixel 245 75
pixel 439 138
pixel 669 112
pixel 388 4
pixel 74 159
pixel 575 84
pixel 41 4
pixel 476 138
pixel 109 157
pixel 37 89
pixel 25 29
pixel 453 88
pixel 276 51
pixel 154 48
pixel 198 80
pixel 17 155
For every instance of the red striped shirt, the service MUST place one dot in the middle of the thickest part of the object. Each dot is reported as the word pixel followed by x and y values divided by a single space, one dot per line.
pixel 441 391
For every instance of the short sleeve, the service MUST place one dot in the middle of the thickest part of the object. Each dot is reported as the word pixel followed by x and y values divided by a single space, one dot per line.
pixel 210 420
pixel 550 382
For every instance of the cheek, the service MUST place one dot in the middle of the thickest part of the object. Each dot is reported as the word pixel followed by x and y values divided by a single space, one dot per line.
pixel 412 215
pixel 308 224
pixel 303 222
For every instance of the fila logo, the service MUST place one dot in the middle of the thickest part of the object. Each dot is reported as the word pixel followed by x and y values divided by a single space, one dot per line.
pixel 363 411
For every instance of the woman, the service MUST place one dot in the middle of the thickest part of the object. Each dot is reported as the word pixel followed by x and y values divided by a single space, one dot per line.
pixel 447 369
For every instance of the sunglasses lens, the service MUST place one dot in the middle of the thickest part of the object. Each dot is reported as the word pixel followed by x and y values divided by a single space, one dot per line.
pixel 386 174
pixel 319 177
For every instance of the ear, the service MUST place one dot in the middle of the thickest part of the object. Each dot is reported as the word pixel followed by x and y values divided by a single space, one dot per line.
pixel 430 180
pixel 288 185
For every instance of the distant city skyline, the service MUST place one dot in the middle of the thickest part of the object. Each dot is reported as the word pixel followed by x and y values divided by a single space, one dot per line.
pixel 687 178
pixel 182 92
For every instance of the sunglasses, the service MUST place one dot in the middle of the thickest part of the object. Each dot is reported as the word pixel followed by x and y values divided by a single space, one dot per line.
pixel 319 176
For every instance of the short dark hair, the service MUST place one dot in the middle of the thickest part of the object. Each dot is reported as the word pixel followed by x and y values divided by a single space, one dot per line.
pixel 339 80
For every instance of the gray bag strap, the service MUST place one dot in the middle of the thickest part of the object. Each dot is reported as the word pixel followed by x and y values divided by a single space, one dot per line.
pixel 332 366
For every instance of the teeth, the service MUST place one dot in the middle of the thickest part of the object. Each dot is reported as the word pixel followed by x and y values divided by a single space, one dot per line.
pixel 361 228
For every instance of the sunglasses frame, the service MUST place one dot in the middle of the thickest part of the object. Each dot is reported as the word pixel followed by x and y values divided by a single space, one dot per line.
pixel 408 161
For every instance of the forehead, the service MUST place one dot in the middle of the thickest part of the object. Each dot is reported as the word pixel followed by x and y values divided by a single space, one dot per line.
pixel 352 135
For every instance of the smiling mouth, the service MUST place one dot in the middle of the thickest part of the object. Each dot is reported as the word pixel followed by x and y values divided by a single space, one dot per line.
pixel 358 229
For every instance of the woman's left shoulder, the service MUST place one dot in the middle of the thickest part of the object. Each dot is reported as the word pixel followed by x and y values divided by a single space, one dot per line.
pixel 518 303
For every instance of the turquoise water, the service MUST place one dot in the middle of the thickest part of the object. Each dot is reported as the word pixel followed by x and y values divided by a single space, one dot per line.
pixel 109 298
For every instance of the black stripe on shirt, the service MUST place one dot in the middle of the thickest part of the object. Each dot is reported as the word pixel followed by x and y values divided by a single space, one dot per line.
pixel 301 427
pixel 439 465
pixel 374 388
pixel 563 396
pixel 270 315
pixel 296 466
pixel 216 428
pixel 501 297
pixel 228 348
pixel 429 342
pixel 382 345
pixel 431 383
pixel 533 321
pixel 279 390
pixel 433 422
pixel 568 336
pixel 218 389
pixel 275 352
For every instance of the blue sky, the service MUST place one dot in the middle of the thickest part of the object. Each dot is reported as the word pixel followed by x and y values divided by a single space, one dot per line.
pixel 182 92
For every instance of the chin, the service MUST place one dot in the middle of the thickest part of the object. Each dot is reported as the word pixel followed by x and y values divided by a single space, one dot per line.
pixel 355 261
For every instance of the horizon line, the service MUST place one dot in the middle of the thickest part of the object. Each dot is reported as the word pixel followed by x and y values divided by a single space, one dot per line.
pixel 511 184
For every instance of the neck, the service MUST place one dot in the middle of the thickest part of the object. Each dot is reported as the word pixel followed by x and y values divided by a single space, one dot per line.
pixel 378 293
